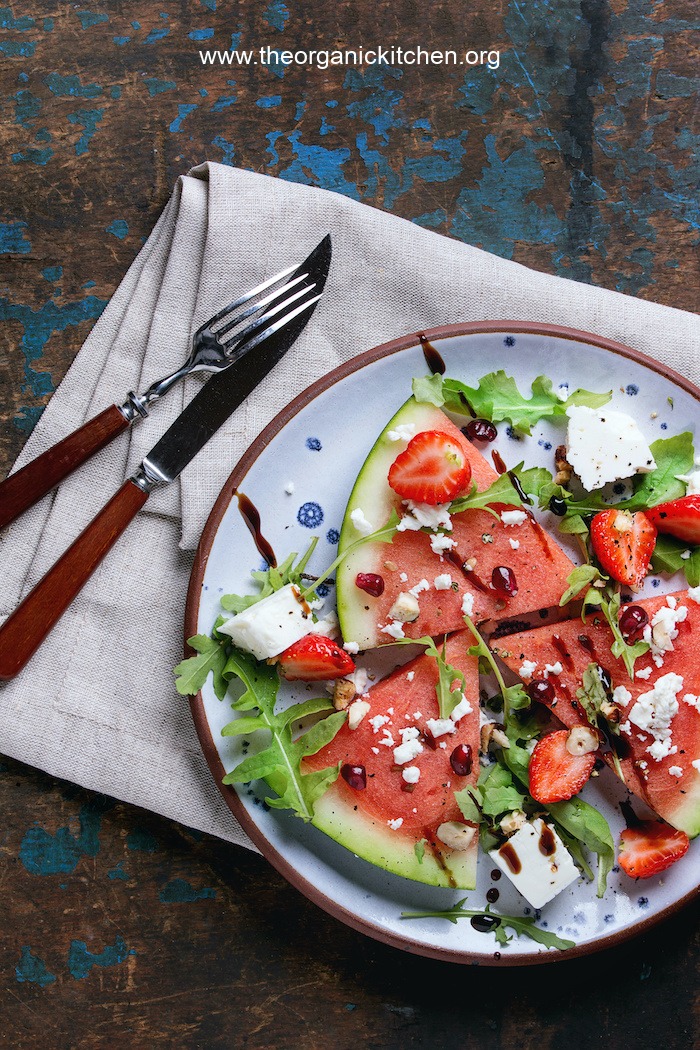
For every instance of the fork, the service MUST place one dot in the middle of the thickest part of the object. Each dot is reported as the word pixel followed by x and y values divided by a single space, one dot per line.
pixel 218 343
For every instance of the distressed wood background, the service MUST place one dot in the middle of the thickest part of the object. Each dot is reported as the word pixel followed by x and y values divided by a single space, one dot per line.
pixel 577 156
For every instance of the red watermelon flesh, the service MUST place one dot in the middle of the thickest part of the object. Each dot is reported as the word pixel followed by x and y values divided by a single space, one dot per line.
pixel 574 645
pixel 540 566
pixel 362 820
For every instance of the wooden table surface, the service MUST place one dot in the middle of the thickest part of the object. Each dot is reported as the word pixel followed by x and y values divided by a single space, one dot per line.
pixel 575 156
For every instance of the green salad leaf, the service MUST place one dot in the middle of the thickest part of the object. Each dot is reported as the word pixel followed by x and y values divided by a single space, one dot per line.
pixel 451 684
pixel 670 556
pixel 192 673
pixel 497 398
pixel 522 926
pixel 384 534
pixel 502 490
pixel 279 763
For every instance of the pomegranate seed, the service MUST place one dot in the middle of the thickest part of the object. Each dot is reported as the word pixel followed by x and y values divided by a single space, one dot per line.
pixel 503 580
pixel 370 582
pixel 354 776
pixel 633 620
pixel 480 430
pixel 542 690
pixel 461 760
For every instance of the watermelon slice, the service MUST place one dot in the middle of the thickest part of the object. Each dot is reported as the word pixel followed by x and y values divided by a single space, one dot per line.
pixel 384 823
pixel 540 566
pixel 670 785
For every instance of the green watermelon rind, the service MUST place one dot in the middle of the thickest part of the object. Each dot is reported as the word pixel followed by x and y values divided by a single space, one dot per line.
pixel 390 850
pixel 372 494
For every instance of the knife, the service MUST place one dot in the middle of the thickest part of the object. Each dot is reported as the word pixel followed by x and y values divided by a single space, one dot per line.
pixel 30 623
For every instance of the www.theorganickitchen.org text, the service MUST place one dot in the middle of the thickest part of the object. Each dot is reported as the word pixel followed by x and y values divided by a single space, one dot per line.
pixel 360 56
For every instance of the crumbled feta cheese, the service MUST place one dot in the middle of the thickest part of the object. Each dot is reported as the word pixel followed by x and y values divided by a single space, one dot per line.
pixel 375 750
pixel 395 824
pixel 403 576
pixel 563 392
pixel 410 676
pixel 513 517
pixel 409 748
pixel 361 523
pixel 422 585
pixel 360 679
pixel 555 668
pixel 439 543
pixel 416 714
pixel 463 708
pixel 327 626
pixel 411 774
pixel 675 771
pixel 662 631
pixel 692 482
pixel 527 668
pixel 425 516
pixel 270 626
pixel 387 740
pixel 468 604
pixel 406 608
pixel 514 543
pixel 696 764
pixel 694 594
pixel 442 582
pixel 351 647
pixel 694 701
pixel 626 728
pixel 685 555
pixel 654 712
pixel 356 712
pixel 403 432
pixel 605 446
pixel 393 629
pixel 440 726
pixel 540 877
pixel 378 721
pixel 643 672
pixel 289 488
pixel 621 695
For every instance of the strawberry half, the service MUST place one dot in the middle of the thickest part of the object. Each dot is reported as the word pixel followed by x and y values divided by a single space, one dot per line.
pixel 623 543
pixel 431 469
pixel 679 518
pixel 556 774
pixel 314 658
pixel 650 847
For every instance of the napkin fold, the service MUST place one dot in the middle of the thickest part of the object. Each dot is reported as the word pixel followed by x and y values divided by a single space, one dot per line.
pixel 96 705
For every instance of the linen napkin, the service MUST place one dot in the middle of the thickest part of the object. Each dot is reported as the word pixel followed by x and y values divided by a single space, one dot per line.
pixel 97 704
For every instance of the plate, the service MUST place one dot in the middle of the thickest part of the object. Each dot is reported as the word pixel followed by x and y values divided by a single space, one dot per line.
pixel 318 443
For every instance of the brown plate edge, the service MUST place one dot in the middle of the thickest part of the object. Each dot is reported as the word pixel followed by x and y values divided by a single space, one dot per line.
pixel 191 609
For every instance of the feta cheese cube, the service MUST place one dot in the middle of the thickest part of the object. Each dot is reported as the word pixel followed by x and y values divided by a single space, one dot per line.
pixel 513 517
pixel 442 582
pixel 270 626
pixel 605 446
pixel 538 876
pixel 361 523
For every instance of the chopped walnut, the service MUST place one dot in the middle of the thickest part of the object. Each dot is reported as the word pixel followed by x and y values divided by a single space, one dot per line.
pixel 343 693
pixel 564 468
pixel 492 733
pixel 610 711
pixel 582 740
pixel 390 566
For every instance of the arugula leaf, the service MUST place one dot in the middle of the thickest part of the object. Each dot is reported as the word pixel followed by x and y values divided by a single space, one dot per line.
pixel 515 697
pixel 497 398
pixel 469 800
pixel 279 764
pixel 621 648
pixel 591 696
pixel 668 557
pixel 272 579
pixel 502 490
pixel 522 926
pixel 192 673
pixel 448 676
pixel 499 791
pixel 582 577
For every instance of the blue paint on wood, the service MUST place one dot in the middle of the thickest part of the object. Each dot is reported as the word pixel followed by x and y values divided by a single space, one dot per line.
pixel 119 228
pixel 183 110
pixel 33 156
pixel 227 148
pixel 13 240
pixel 157 87
pixel 32 970
pixel 44 854
pixel 201 34
pixel 121 40
pixel 276 15
pixel 155 35
pixel 142 841
pixel 27 107
pixel 87 119
pixel 52 273
pixel 118 873
pixel 71 85
pixel 17 48
pixel 81 960
pixel 91 18
pixel 20 25
pixel 179 891
pixel 431 219
pixel 223 102
pixel 380 100
pixel 269 101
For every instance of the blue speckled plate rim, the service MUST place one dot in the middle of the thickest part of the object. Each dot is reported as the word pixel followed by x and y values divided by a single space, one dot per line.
pixel 220 507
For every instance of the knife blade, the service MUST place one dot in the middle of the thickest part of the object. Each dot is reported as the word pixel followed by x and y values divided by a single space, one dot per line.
pixel 30 623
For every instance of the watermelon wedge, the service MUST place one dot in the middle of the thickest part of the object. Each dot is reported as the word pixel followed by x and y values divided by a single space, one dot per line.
pixel 539 565
pixel 669 784
pixel 392 823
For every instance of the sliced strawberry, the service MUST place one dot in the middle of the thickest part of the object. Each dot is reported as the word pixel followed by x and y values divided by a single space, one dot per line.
pixel 431 469
pixel 314 658
pixel 556 774
pixel 623 543
pixel 650 847
pixel 679 518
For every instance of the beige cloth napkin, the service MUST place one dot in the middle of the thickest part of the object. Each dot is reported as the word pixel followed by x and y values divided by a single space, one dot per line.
pixel 97 704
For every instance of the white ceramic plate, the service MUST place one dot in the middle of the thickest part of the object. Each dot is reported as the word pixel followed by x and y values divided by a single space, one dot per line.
pixel 319 444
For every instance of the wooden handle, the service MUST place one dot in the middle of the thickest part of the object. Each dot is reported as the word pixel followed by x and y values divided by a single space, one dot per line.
pixel 24 631
pixel 24 488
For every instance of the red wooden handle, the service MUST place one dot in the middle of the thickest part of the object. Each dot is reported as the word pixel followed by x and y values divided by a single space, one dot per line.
pixel 24 488
pixel 24 631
